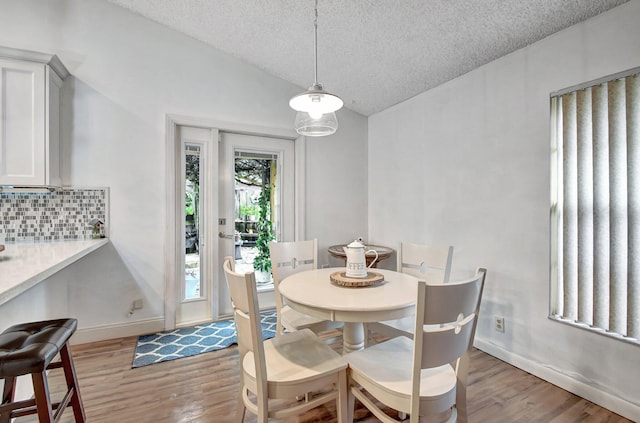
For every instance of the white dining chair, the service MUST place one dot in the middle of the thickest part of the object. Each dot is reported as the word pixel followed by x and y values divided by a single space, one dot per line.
pixel 282 368
pixel 232 262
pixel 288 258
pixel 426 375
pixel 427 263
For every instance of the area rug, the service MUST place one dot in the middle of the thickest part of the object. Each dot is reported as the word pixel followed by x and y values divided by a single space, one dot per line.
pixel 194 340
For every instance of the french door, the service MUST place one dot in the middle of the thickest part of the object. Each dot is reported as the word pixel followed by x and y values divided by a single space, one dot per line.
pixel 248 163
pixel 204 216
pixel 198 164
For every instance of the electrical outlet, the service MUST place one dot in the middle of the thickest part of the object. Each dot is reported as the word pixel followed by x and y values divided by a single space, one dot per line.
pixel 498 323
pixel 137 304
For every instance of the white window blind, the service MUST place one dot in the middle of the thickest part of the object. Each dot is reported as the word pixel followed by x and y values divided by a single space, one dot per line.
pixel 595 247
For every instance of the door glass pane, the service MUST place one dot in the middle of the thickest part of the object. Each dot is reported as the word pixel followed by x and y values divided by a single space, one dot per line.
pixel 256 213
pixel 192 223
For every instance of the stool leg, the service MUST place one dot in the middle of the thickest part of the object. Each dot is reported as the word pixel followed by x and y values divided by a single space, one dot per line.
pixel 9 389
pixel 43 399
pixel 72 382
pixel 8 394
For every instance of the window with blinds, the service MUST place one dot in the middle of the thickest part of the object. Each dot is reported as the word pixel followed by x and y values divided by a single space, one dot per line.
pixel 595 274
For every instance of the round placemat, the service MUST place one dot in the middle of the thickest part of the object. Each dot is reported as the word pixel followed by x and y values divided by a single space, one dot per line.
pixel 341 279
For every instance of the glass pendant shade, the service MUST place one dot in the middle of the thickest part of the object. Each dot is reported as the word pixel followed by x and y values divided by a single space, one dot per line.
pixel 316 125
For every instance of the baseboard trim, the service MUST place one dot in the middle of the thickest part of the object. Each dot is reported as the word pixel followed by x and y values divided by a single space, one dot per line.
pixel 603 399
pixel 122 330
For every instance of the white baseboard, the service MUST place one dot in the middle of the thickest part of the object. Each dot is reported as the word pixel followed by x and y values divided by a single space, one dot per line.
pixel 603 399
pixel 122 330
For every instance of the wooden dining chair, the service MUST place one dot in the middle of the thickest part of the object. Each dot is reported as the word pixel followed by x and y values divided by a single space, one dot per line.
pixel 288 258
pixel 282 368
pixel 426 375
pixel 427 263
pixel 232 262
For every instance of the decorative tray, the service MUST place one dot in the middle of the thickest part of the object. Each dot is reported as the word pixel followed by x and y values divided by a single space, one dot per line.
pixel 341 279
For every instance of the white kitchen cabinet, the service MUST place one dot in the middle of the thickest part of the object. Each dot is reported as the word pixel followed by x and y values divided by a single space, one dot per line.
pixel 30 118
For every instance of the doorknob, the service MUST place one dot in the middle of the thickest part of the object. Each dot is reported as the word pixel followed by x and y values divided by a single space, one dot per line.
pixel 223 235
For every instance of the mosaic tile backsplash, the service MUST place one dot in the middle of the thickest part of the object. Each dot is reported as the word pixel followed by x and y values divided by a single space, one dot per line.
pixel 55 216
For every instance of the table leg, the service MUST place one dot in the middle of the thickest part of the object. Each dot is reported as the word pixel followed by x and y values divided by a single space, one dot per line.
pixel 352 337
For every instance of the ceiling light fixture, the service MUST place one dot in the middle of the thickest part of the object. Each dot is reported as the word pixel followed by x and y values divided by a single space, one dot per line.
pixel 316 108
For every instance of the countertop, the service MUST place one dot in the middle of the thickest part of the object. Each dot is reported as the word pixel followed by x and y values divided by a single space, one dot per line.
pixel 24 265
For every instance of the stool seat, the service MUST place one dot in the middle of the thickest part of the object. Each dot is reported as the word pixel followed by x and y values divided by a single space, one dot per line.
pixel 30 348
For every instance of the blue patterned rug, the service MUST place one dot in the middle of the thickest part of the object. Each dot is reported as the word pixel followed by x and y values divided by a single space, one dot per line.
pixel 194 340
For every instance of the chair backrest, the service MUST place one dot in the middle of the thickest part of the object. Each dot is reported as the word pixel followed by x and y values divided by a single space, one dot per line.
pixel 430 264
pixel 288 258
pixel 246 314
pixel 446 320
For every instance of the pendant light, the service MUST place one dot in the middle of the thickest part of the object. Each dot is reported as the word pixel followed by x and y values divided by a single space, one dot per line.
pixel 316 108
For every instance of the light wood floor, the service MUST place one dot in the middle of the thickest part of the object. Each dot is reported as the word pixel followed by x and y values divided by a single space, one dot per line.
pixel 204 388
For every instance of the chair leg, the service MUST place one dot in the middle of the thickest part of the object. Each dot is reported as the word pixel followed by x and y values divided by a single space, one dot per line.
pixel 462 372
pixel 8 393
pixel 9 390
pixel 279 327
pixel 461 404
pixel 263 408
pixel 343 402
pixel 43 399
pixel 351 405
pixel 241 409
pixel 72 383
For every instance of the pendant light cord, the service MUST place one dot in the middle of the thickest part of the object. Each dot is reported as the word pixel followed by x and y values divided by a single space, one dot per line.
pixel 315 43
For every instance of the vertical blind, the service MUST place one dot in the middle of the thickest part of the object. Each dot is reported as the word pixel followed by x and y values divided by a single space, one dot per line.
pixel 597 206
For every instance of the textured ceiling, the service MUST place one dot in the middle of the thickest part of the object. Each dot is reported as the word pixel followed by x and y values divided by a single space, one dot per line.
pixel 372 53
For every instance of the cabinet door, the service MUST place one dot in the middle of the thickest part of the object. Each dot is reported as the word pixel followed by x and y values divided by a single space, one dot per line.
pixel 22 123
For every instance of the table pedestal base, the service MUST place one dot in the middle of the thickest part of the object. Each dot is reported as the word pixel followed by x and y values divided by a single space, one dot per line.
pixel 352 337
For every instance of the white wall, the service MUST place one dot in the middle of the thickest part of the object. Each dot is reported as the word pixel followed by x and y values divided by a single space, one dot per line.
pixel 467 164
pixel 128 73
pixel 337 190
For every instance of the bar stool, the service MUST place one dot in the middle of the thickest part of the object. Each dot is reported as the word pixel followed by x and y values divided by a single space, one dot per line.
pixel 29 348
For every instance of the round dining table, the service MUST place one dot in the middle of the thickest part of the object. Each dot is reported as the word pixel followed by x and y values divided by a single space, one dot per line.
pixel 312 292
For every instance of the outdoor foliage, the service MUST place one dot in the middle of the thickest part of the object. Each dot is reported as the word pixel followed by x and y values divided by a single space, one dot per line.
pixel 262 262
pixel 249 210
pixel 252 172
pixel 191 203
pixel 192 198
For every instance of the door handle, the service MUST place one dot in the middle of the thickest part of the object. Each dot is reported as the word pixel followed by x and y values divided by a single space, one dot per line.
pixel 221 234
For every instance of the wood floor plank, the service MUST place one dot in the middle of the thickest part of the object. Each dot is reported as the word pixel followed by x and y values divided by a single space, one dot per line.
pixel 204 388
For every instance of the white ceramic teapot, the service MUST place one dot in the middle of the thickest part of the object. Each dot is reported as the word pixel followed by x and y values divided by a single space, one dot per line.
pixel 356 261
